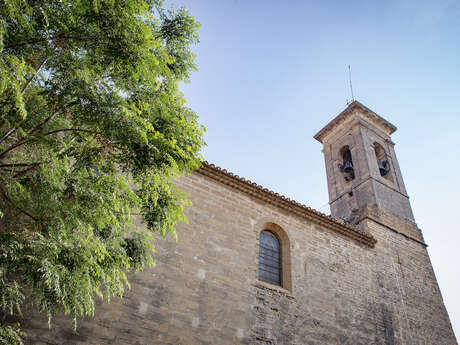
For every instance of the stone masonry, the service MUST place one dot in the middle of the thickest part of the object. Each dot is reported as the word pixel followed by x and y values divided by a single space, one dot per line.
pixel 363 281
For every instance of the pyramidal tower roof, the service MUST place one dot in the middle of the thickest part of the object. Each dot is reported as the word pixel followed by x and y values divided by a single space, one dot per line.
pixel 351 109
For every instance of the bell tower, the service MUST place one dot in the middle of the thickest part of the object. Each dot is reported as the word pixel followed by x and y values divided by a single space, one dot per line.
pixel 363 175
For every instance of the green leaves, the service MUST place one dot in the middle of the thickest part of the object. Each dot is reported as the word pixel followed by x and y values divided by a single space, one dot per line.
pixel 93 130
pixel 11 335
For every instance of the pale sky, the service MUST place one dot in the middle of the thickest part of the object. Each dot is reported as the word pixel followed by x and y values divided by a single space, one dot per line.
pixel 272 73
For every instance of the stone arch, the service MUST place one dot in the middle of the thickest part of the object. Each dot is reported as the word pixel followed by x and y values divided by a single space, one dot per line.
pixel 383 162
pixel 346 166
pixel 283 238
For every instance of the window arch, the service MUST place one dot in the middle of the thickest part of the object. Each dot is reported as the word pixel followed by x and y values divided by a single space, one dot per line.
pixel 382 161
pixel 266 225
pixel 346 167
pixel 270 258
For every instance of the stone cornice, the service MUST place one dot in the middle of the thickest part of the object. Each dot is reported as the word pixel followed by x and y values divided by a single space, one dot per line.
pixel 291 206
pixel 355 105
pixel 373 219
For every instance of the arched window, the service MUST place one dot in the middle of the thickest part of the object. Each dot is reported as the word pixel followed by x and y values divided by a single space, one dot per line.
pixel 347 164
pixel 382 161
pixel 269 258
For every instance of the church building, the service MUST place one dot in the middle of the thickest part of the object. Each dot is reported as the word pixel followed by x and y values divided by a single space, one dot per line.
pixel 254 267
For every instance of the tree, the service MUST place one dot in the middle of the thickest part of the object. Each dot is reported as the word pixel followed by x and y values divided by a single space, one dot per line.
pixel 93 130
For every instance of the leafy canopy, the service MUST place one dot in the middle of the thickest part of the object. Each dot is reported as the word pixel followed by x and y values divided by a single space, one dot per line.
pixel 93 130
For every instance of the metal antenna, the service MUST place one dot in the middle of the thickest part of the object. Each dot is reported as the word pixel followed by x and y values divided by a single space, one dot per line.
pixel 351 85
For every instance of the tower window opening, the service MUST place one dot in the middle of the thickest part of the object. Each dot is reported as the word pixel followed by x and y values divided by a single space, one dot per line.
pixel 346 167
pixel 382 161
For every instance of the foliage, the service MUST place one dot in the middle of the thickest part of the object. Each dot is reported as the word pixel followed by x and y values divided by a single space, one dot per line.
pixel 11 335
pixel 93 130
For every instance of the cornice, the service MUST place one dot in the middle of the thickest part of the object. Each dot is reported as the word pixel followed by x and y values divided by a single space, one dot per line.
pixel 390 128
pixel 373 219
pixel 254 190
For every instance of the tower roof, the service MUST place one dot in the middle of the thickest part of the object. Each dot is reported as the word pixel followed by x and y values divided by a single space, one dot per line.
pixel 347 112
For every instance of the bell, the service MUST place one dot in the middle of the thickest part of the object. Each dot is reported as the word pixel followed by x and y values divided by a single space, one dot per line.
pixel 347 166
pixel 384 166
pixel 349 176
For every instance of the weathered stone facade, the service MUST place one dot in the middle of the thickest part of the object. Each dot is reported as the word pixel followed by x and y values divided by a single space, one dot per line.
pixel 343 284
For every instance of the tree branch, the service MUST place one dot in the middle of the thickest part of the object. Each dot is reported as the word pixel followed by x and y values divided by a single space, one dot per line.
pixel 15 206
pixel 40 125
pixel 22 142
pixel 25 171
pixel 21 173
pixel 71 130
pixel 34 75
pixel 11 131
pixel 13 165
pixel 59 41
pixel 53 38
pixel 48 119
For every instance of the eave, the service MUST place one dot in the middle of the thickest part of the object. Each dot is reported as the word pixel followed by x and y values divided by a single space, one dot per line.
pixel 267 196
pixel 355 105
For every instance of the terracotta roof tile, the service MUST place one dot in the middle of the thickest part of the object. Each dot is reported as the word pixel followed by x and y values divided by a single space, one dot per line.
pixel 266 195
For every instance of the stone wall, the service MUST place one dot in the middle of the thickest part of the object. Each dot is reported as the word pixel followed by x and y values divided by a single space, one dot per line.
pixel 204 288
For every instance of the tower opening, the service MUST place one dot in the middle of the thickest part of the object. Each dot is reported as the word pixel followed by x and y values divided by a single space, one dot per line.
pixel 347 164
pixel 382 161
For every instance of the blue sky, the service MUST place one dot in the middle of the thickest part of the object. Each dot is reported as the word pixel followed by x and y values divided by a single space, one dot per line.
pixel 272 73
